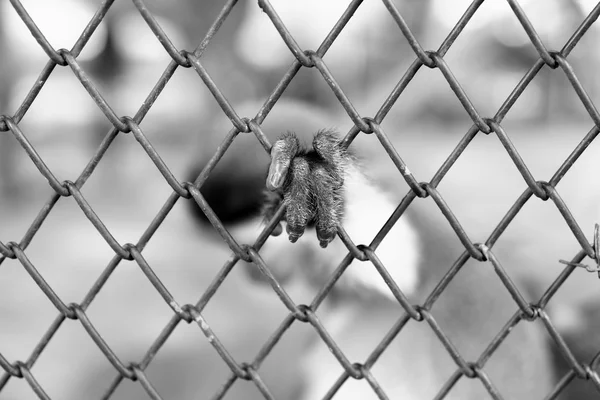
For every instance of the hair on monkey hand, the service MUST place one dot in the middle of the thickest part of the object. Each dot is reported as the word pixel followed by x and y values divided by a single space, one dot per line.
pixel 310 183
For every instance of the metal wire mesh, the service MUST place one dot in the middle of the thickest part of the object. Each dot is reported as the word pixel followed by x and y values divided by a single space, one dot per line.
pixel 192 313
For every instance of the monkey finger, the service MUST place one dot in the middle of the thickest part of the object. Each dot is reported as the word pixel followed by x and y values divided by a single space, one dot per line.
pixel 326 144
pixel 329 204
pixel 297 199
pixel 326 236
pixel 294 231
pixel 277 172
pixel 282 153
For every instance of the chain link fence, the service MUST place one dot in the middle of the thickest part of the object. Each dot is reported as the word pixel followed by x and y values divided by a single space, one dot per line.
pixel 250 370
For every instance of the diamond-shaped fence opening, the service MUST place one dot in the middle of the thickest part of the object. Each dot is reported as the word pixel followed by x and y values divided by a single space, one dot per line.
pixel 437 320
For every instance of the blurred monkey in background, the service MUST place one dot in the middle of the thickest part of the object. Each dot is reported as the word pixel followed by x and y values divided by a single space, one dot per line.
pixel 361 309
pixel 480 188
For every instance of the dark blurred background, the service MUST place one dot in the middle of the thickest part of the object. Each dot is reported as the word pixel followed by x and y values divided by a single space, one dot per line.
pixel 246 58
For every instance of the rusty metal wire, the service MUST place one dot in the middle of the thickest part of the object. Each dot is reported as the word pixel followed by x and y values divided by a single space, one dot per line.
pixel 189 313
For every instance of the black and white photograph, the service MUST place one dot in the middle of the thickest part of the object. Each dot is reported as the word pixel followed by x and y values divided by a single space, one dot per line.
pixel 299 199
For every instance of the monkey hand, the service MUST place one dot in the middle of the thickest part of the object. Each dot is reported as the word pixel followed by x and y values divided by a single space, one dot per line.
pixel 310 183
